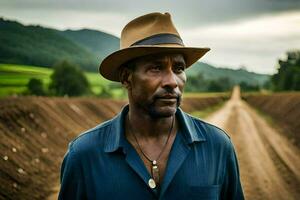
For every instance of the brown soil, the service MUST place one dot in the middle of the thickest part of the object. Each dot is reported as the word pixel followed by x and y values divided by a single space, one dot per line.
pixel 34 135
pixel 200 103
pixel 284 108
pixel 269 162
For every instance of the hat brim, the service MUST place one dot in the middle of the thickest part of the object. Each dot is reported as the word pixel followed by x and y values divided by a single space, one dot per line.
pixel 110 65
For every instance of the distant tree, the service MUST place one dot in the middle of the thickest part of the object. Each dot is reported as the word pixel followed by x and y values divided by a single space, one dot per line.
pixel 68 79
pixel 215 86
pixel 296 80
pixel 267 85
pixel 35 87
pixel 288 75
pixel 226 83
pixel 220 85
pixel 248 87
pixel 196 84
pixel 199 84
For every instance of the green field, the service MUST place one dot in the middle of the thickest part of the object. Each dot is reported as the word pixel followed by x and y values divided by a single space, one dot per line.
pixel 206 112
pixel 14 79
pixel 206 94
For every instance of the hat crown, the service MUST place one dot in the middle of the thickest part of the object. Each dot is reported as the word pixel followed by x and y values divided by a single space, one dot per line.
pixel 149 34
pixel 145 27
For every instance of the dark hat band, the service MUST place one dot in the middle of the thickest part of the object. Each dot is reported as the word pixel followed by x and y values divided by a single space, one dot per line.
pixel 164 38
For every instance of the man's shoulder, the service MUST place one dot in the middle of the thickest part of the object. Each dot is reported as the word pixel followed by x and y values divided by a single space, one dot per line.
pixel 92 138
pixel 211 132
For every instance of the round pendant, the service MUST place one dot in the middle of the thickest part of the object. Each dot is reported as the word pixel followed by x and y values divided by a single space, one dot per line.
pixel 151 183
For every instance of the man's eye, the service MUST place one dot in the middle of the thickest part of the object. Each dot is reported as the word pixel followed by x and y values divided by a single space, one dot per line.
pixel 179 69
pixel 155 68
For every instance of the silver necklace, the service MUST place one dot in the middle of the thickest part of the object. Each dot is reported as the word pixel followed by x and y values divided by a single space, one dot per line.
pixel 154 162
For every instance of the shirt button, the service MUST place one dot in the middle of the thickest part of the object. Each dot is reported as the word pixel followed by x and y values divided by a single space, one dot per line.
pixel 151 183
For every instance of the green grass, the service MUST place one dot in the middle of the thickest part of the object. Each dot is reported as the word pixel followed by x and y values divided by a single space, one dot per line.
pixel 24 69
pixel 14 79
pixel 206 94
pixel 256 93
pixel 206 112
pixel 8 91
pixel 97 82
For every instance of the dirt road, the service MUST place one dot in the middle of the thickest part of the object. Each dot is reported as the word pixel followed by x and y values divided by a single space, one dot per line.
pixel 269 163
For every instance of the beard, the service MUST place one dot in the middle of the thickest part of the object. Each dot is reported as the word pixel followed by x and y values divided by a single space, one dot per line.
pixel 156 111
pixel 162 104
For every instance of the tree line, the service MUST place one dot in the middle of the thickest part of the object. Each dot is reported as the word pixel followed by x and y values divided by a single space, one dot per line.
pixel 288 76
pixel 200 84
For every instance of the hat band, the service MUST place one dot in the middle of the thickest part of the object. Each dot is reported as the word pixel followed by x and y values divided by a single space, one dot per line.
pixel 164 38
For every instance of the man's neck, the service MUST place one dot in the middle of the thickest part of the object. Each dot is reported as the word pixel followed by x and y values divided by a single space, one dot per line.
pixel 147 126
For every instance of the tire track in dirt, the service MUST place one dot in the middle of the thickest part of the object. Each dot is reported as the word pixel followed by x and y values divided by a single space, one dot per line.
pixel 269 164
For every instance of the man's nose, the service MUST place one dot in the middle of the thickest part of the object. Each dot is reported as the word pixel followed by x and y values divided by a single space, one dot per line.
pixel 169 79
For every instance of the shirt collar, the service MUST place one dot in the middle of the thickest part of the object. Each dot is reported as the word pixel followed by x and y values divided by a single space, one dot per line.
pixel 116 137
pixel 192 131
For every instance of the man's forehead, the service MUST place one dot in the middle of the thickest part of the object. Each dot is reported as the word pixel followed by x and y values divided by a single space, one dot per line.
pixel 162 57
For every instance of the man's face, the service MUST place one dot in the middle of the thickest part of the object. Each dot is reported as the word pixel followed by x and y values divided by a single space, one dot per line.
pixel 156 84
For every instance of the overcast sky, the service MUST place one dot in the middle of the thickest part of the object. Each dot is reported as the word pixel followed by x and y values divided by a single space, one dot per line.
pixel 248 33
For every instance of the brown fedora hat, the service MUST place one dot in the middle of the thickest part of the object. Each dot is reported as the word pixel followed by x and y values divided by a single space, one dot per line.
pixel 149 34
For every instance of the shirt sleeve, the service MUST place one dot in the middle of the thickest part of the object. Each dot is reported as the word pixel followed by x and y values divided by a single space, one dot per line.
pixel 231 188
pixel 71 180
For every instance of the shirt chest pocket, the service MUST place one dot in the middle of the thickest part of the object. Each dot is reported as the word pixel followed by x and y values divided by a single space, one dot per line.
pixel 211 192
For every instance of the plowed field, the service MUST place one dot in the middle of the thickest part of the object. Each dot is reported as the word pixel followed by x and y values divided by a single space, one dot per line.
pixel 284 109
pixel 35 132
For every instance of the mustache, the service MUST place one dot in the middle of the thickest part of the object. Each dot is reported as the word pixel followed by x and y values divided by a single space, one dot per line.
pixel 167 95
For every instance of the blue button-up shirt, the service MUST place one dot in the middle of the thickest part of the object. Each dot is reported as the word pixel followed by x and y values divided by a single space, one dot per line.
pixel 102 164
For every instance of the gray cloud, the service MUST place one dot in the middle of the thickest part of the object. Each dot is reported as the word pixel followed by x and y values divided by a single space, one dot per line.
pixel 186 13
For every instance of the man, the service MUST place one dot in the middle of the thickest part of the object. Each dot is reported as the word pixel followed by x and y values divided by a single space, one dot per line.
pixel 152 149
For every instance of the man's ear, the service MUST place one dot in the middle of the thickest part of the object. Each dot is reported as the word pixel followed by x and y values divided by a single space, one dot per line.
pixel 125 75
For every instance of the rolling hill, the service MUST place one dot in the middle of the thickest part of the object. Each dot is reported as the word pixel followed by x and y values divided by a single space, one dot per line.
pixel 99 43
pixel 235 75
pixel 39 46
